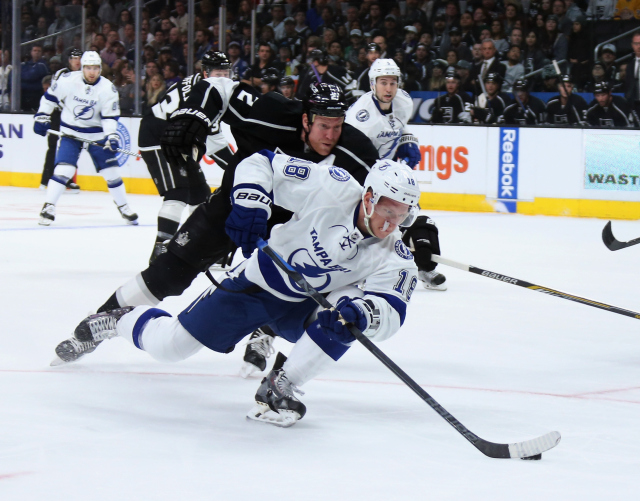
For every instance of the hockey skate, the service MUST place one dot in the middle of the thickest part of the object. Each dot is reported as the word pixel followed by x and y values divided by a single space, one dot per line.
pixel 101 326
pixel 71 350
pixel 127 214
pixel 73 188
pixel 259 348
pixel 432 280
pixel 275 401
pixel 47 214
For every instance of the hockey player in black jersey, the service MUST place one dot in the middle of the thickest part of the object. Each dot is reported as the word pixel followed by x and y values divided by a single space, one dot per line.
pixel 452 108
pixel 184 185
pixel 527 110
pixel 329 73
pixel 490 106
pixel 606 112
pixel 566 108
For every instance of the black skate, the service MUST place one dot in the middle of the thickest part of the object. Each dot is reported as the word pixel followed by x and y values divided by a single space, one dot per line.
pixel 47 214
pixel 101 326
pixel 275 401
pixel 259 348
pixel 432 280
pixel 127 214
pixel 73 188
pixel 71 350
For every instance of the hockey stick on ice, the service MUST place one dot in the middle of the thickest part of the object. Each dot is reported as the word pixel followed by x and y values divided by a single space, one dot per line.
pixel 89 141
pixel 611 242
pixel 529 449
pixel 538 288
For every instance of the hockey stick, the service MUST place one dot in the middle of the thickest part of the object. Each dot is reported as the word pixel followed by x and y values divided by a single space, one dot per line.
pixel 564 86
pixel 611 242
pixel 538 288
pixel 529 449
pixel 89 141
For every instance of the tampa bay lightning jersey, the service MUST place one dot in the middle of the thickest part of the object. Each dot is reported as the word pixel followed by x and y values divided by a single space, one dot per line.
pixel 321 240
pixel 384 129
pixel 89 111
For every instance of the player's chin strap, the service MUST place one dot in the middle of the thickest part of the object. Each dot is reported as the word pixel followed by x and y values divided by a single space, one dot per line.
pixel 367 217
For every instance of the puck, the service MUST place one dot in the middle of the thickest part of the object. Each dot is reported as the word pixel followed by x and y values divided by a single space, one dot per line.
pixel 537 457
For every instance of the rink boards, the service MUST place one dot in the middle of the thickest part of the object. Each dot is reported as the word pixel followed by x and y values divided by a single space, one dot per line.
pixel 543 171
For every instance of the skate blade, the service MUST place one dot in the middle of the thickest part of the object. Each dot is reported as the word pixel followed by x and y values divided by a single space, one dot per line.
pixel 132 223
pixel 73 191
pixel 431 287
pixel 264 414
pixel 56 362
pixel 44 221
pixel 248 369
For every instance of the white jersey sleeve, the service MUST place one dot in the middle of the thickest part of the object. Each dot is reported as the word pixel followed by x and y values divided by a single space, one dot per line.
pixel 109 106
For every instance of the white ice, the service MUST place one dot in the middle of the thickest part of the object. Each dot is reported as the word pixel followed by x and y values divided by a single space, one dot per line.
pixel 509 363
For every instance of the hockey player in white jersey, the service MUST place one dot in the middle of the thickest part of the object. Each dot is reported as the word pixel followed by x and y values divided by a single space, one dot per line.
pixel 341 235
pixel 90 110
pixel 382 114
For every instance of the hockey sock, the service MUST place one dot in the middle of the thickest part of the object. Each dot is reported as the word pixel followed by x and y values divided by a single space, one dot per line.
pixel 135 293
pixel 169 219
pixel 307 360
pixel 115 184
pixel 160 335
pixel 58 182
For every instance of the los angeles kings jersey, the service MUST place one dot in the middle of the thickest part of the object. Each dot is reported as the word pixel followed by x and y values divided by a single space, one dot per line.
pixel 384 129
pixel 321 240
pixel 89 111
pixel 271 121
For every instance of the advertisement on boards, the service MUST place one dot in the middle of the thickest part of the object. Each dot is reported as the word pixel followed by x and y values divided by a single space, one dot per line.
pixel 508 168
pixel 612 162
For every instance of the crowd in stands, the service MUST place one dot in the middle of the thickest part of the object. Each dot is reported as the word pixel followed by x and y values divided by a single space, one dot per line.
pixel 476 45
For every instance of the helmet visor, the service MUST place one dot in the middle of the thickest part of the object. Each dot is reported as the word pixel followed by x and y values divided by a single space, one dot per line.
pixel 395 213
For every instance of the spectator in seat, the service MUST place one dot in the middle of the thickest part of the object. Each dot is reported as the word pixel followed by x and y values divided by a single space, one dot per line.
pixel 608 58
pixel 32 73
pixel 579 52
pixel 554 43
pixel 598 75
pixel 489 64
pixel 514 69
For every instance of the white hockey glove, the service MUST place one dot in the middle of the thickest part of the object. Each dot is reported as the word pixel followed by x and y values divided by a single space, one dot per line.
pixel 112 142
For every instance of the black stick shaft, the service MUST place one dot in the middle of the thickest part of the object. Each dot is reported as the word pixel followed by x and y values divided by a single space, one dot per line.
pixel 534 287
pixel 369 345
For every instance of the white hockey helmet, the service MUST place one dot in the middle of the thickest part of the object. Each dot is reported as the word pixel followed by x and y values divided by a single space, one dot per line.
pixel 384 68
pixel 395 181
pixel 91 58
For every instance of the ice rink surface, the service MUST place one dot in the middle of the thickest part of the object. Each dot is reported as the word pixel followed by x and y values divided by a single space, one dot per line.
pixel 509 363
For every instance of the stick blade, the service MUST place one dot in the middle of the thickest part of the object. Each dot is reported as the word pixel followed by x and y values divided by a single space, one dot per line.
pixel 534 446
pixel 609 240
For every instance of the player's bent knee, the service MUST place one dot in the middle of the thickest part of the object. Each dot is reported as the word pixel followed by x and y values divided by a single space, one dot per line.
pixel 168 275
pixel 112 176
pixel 63 172
pixel 166 340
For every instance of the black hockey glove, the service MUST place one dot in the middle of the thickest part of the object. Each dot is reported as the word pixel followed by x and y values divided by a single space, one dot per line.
pixel 185 136
pixel 422 238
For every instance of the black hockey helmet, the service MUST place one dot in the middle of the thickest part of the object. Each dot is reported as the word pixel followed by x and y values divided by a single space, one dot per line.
pixel 521 84
pixel 325 100
pixel 322 56
pixel 75 53
pixel 493 77
pixel 287 81
pixel 566 79
pixel 374 47
pixel 601 87
pixel 271 76
pixel 451 74
pixel 213 60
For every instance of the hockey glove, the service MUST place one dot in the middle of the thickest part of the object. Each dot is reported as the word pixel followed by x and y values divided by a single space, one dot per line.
pixel 409 150
pixel 422 238
pixel 245 225
pixel 41 124
pixel 185 136
pixel 352 311
pixel 111 142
